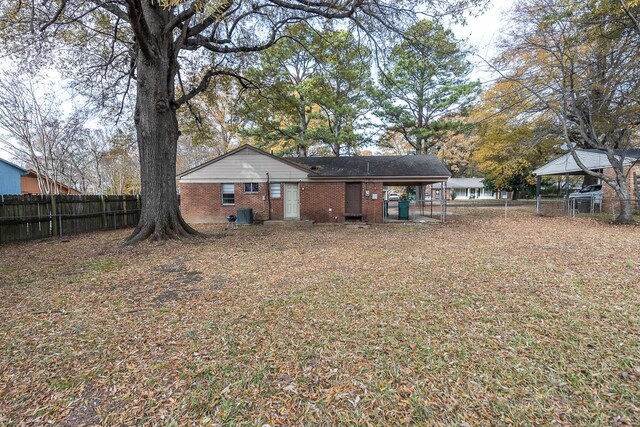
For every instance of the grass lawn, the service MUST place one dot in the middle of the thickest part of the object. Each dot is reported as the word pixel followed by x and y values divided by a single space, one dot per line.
pixel 481 320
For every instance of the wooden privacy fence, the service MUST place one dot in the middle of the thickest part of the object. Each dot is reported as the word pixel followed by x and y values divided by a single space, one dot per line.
pixel 35 217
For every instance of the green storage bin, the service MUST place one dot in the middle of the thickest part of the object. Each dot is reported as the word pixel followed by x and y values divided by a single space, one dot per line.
pixel 403 209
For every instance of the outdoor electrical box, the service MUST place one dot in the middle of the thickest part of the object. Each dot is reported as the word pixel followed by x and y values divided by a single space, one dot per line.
pixel 374 197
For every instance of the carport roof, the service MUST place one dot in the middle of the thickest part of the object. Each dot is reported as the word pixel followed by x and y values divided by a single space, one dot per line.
pixel 593 159
pixel 387 167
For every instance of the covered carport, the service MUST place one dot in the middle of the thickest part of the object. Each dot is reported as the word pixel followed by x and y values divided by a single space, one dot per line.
pixel 566 166
pixel 420 209
pixel 354 184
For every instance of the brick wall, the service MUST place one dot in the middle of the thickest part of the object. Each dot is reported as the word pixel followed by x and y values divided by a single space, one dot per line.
pixel 609 196
pixel 202 203
pixel 316 198
pixel 372 210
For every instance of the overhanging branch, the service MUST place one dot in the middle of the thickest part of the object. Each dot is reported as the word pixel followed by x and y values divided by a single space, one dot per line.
pixel 206 80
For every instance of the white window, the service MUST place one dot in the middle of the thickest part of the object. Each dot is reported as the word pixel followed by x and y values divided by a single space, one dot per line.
pixel 228 194
pixel 274 190
pixel 251 187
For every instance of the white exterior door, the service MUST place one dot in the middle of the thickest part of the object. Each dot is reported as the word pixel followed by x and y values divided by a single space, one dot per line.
pixel 291 201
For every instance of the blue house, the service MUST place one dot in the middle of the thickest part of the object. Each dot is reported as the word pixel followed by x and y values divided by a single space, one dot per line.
pixel 10 177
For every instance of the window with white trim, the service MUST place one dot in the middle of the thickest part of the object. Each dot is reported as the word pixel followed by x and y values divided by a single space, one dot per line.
pixel 274 190
pixel 228 194
pixel 251 187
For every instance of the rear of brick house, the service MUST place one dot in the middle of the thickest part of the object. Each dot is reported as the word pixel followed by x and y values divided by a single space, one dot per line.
pixel 318 189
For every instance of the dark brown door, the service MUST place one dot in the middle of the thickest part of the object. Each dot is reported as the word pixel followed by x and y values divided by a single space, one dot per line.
pixel 353 199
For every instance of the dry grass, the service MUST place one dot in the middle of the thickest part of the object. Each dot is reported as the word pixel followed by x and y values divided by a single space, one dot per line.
pixel 479 321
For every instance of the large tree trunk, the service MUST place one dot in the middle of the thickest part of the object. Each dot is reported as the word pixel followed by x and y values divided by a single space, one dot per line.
pixel 624 195
pixel 619 184
pixel 157 132
pixel 420 149
pixel 301 149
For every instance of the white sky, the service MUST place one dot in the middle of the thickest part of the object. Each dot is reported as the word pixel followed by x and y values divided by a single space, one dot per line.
pixel 482 34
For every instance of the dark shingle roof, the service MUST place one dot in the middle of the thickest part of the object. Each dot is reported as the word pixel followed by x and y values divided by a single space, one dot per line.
pixel 374 166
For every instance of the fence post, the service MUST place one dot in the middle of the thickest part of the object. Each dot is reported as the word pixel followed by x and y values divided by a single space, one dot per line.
pixel 538 194
pixel 124 208
pixel 103 203
pixel 54 216
pixel 506 201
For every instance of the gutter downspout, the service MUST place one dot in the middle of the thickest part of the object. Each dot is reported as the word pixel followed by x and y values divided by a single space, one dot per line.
pixel 269 196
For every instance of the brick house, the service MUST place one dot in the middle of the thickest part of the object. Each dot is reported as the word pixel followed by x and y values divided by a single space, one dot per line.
pixel 319 189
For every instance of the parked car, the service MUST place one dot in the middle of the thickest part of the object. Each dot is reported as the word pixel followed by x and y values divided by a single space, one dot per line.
pixel 593 192
pixel 394 197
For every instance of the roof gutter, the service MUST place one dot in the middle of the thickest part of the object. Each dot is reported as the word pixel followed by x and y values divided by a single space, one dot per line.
pixel 381 177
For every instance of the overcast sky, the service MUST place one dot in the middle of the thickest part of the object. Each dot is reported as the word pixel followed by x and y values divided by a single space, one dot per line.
pixel 481 32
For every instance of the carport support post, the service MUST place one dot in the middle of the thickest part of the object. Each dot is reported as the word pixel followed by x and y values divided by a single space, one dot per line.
pixel 538 191
pixel 443 202
pixel 567 191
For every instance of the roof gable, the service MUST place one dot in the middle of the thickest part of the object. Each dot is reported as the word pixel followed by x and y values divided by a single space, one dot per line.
pixel 245 164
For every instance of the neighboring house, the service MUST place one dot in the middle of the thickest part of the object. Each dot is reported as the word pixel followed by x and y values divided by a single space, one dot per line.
pixel 30 185
pixel 597 161
pixel 320 189
pixel 464 189
pixel 17 180
pixel 10 176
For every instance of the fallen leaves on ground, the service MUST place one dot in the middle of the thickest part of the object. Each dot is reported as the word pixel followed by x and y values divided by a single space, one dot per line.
pixel 477 321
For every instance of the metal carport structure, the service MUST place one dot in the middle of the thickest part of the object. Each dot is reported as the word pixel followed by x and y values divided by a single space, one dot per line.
pixel 566 164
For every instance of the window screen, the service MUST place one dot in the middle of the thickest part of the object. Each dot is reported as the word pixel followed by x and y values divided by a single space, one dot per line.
pixel 228 194
pixel 274 191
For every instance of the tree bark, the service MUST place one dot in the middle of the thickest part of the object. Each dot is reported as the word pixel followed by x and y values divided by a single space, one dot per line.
pixel 157 131
pixel 302 137
pixel 624 195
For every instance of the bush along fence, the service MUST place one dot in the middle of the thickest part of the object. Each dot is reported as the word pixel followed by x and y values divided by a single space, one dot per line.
pixel 37 217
